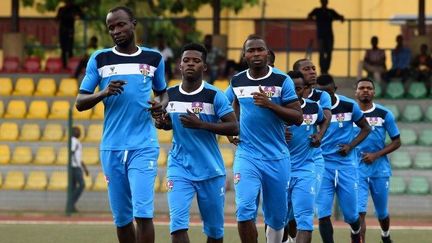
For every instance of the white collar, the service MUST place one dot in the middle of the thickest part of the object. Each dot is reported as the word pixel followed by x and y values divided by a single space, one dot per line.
pixel 371 109
pixel 193 92
pixel 127 55
pixel 337 101
pixel 265 76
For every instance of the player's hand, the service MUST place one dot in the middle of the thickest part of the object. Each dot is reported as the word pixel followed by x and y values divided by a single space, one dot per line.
pixel 288 135
pixel 344 149
pixel 114 88
pixel 191 120
pixel 161 121
pixel 369 158
pixel 261 99
pixel 315 140
pixel 234 140
pixel 156 109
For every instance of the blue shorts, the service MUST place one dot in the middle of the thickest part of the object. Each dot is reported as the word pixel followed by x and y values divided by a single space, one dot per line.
pixel 301 200
pixel 272 176
pixel 379 190
pixel 344 184
pixel 210 197
pixel 319 170
pixel 130 176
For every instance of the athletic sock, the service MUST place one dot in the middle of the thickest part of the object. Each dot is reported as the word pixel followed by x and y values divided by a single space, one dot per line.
pixel 274 236
pixel 355 227
pixel 326 231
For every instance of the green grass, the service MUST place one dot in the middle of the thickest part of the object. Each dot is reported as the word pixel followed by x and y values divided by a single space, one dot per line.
pixel 79 233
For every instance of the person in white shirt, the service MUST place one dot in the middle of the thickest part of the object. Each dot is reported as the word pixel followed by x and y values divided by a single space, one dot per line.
pixel 78 167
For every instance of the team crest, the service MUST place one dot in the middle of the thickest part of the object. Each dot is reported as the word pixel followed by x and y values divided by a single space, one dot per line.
pixel 307 118
pixel 340 118
pixel 269 91
pixel 373 121
pixel 197 107
pixel 169 185
pixel 144 69
pixel 236 178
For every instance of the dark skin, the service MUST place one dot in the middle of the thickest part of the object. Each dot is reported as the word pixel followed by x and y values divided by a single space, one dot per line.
pixel 345 149
pixel 192 67
pixel 121 28
pixel 365 93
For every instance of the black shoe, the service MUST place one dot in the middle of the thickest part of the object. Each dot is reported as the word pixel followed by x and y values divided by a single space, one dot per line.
pixel 355 238
pixel 386 239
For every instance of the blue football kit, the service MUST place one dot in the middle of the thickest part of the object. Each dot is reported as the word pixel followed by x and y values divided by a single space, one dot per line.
pixel 374 177
pixel 129 146
pixel 340 174
pixel 262 157
pixel 195 164
pixel 301 191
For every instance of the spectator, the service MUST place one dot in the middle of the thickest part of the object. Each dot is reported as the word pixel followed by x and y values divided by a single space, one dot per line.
pixel 373 62
pixel 215 59
pixel 401 58
pixel 324 17
pixel 167 55
pixel 66 17
pixel 422 64
pixel 78 167
pixel 92 47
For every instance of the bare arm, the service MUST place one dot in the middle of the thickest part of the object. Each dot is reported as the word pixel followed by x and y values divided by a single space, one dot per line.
pixel 364 132
pixel 84 168
pixel 88 101
pixel 228 125
pixel 369 158
pixel 317 137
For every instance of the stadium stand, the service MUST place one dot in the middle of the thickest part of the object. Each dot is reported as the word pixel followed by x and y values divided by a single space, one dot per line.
pixel 52 132
pixel 38 109
pixel 425 138
pixel 45 87
pixel 162 159
pixel 14 181
pixel 30 132
pixel 62 156
pixel 428 114
pixel 16 109
pixel 100 183
pixel 22 155
pixel 221 84
pixel 57 181
pixel 408 136
pixel 6 86
pixel 1 108
pixel 32 65
pixel 412 113
pixel 395 90
pixel 68 87
pixel 24 87
pixel 90 155
pixel 157 184
pixel 59 109
pixel 98 111
pixel 88 182
pixel 4 154
pixel 418 186
pixel 11 65
pixel 36 180
pixel 401 160
pixel 81 115
pixel 44 156
pixel 423 161
pixel 53 65
pixel 417 90
pixel 397 185
pixel 9 131
pixel 164 136
pixel 174 82
pixel 227 156
pixel 94 133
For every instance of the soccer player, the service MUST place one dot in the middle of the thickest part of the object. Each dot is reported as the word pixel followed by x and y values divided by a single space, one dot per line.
pixel 340 174
pixel 267 100
pixel 301 191
pixel 126 74
pixel 374 166
pixel 197 112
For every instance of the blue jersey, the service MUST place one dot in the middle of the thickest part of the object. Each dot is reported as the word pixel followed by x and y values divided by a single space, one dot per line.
pixel 345 112
pixel 302 153
pixel 195 153
pixel 128 123
pixel 381 121
pixel 261 130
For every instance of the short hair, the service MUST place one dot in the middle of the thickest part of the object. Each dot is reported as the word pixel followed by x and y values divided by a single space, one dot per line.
pixel 365 80
pixel 325 79
pixel 195 47
pixel 125 9
pixel 295 74
pixel 253 37
pixel 296 65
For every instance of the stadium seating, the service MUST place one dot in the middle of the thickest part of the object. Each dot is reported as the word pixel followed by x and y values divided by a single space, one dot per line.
pixel 88 182
pixel 100 183
pixel 72 64
pixel 32 65
pixel 59 109
pixel 90 155
pixel 1 180
pixel 418 185
pixel 428 114
pixel 394 110
pixel 68 87
pixel 38 109
pixel 11 65
pixel 425 137
pixel 44 156
pixel 163 187
pixel 45 87
pixel 6 86
pixel 22 155
pixel 16 109
pixel 227 156
pixel 412 113
pixel 52 132
pixel 36 180
pixel 417 90
pixel 81 115
pixel 378 90
pixel 58 181
pixel 62 156
pixel 164 136
pixel 24 87
pixel 5 155
pixel 30 132
pixel 157 184
pixel 1 108
pixel 8 131
pixel 395 90
pixel 397 185
pixel 53 65
pixel 162 159
pixel 14 181
pixel 94 133
pixel 223 140
pixel 221 84
pixel 401 160
pixel 423 160
pixel 408 136
pixel 98 111
pixel 174 82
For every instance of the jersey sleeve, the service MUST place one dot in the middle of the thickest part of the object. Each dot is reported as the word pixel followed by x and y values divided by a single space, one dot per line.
pixel 357 114
pixel 391 126
pixel 288 94
pixel 325 101
pixel 221 104
pixel 92 78
pixel 320 114
pixel 159 83
pixel 229 93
